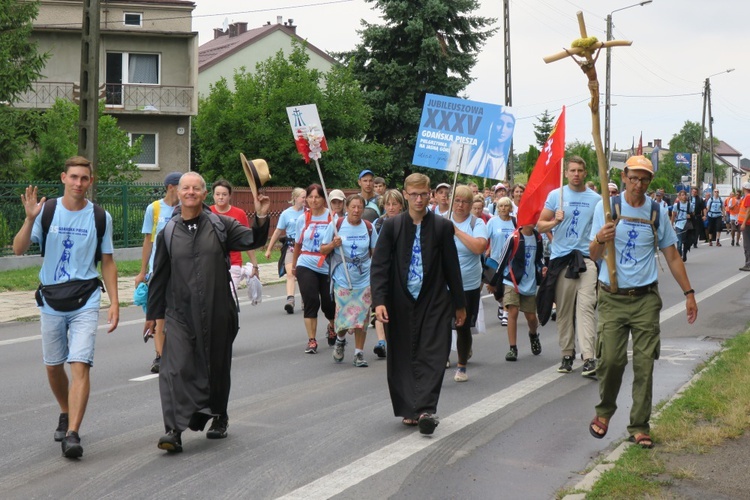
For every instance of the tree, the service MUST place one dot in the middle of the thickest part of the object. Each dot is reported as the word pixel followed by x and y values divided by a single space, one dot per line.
pixel 543 129
pixel 17 130
pixel 528 159
pixel 688 140
pixel 58 138
pixel 253 120
pixel 20 64
pixel 424 46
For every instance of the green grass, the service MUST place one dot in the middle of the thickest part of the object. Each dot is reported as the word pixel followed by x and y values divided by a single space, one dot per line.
pixel 715 408
pixel 17 280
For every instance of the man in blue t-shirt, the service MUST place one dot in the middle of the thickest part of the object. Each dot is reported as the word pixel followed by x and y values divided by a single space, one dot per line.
pixel 633 308
pixel 70 258
pixel 575 291
pixel 156 217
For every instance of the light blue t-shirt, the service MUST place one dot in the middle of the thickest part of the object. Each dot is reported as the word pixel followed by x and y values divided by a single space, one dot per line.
pixel 356 243
pixel 635 254
pixel 71 247
pixel 713 207
pixel 470 262
pixel 527 285
pixel 288 222
pixel 680 219
pixel 572 233
pixel 498 231
pixel 416 276
pixel 165 213
pixel 310 240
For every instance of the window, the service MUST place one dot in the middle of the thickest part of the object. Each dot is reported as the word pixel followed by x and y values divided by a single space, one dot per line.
pixel 149 156
pixel 133 19
pixel 126 68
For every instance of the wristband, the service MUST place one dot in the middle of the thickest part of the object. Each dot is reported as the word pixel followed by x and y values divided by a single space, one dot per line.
pixel 688 292
pixel 596 238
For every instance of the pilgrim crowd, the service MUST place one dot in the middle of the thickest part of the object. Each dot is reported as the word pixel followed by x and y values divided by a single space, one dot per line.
pixel 413 264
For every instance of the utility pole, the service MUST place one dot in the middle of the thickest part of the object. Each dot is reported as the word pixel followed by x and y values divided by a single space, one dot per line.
pixel 608 81
pixel 711 137
pixel 508 89
pixel 697 182
pixel 88 118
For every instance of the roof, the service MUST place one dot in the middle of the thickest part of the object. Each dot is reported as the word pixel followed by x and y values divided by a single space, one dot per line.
pixel 222 47
pixel 724 149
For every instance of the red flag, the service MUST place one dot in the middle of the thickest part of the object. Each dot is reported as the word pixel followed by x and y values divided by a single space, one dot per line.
pixel 546 175
pixel 639 151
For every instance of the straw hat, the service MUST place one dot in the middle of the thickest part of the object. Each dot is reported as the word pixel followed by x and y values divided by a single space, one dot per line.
pixel 256 172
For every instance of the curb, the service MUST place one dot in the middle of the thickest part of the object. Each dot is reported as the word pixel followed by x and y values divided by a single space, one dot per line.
pixel 586 484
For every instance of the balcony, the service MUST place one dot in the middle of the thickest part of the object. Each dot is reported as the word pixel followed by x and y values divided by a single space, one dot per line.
pixel 119 98
pixel 43 94
pixel 135 98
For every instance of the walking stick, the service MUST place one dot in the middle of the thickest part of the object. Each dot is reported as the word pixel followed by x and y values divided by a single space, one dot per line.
pixel 587 49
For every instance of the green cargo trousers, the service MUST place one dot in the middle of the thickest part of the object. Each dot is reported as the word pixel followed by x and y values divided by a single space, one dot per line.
pixel 619 317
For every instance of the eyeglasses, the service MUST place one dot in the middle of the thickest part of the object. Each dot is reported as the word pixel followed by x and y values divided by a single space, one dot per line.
pixel 459 201
pixel 613 192
pixel 415 196
pixel 643 181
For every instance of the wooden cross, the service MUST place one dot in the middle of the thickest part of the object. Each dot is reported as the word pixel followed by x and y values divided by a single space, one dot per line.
pixel 584 52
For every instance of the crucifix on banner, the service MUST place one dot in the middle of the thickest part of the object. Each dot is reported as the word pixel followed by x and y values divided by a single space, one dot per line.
pixel 587 50
pixel 311 142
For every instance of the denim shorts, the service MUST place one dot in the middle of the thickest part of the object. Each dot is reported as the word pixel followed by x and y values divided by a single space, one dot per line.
pixel 69 337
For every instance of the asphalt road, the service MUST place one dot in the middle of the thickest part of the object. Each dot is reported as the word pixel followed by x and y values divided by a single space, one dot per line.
pixel 302 426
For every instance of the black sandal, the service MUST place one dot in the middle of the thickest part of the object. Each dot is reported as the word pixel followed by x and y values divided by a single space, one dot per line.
pixel 427 423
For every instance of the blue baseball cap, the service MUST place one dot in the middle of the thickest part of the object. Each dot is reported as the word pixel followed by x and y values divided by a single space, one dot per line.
pixel 366 172
pixel 172 178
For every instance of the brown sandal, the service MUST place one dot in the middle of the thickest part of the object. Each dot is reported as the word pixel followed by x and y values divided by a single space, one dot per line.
pixel 642 440
pixel 596 422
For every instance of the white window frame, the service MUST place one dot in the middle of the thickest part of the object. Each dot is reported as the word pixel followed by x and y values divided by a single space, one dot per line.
pixel 126 65
pixel 148 166
pixel 140 19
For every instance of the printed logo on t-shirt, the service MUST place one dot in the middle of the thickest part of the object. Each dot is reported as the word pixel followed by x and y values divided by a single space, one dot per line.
pixel 628 253
pixel 61 270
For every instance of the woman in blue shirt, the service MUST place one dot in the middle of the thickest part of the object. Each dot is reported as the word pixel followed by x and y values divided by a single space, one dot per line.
pixel 498 229
pixel 286 229
pixel 471 241
pixel 351 276
pixel 310 267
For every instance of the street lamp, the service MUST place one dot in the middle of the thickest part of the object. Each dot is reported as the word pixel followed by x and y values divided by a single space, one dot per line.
pixel 707 103
pixel 609 76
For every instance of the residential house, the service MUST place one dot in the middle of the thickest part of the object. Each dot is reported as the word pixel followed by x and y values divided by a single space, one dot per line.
pixel 148 72
pixel 235 46
pixel 728 158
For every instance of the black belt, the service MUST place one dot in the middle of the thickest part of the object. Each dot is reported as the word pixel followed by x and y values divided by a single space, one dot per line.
pixel 631 292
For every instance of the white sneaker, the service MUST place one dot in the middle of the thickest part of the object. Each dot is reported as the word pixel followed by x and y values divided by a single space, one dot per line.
pixel 460 376
pixel 338 351
pixel 504 320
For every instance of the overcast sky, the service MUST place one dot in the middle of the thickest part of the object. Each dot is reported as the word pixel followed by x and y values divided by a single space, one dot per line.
pixel 656 83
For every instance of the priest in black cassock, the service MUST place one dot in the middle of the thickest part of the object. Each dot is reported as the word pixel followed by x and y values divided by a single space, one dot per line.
pixel 416 287
pixel 191 290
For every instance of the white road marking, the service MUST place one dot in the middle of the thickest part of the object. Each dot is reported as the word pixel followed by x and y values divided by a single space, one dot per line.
pixel 350 475
pixel 145 377
pixel 20 340
pixel 699 297
pixel 377 461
